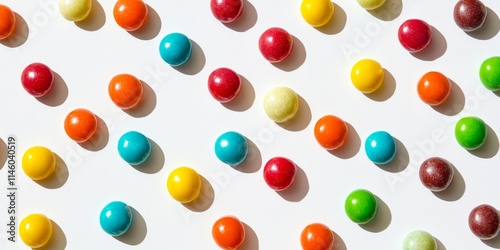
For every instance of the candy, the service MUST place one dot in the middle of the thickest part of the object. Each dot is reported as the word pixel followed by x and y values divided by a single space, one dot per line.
pixel 317 236
pixel 184 184
pixel 281 104
pixel 367 75
pixel 484 222
pixel 275 44
pixel 125 91
pixel 35 230
pixel 415 35
pixel 131 15
pixel 380 147
pixel 361 206
pixel 37 79
pixel 7 22
pixel 38 162
pixel 226 11
pixel 228 232
pixel 175 49
pixel 116 218
pixel 370 4
pixel 231 148
pixel 419 240
pixel 134 147
pixel 469 15
pixel 75 10
pixel 279 173
pixel 317 12
pixel 224 84
pixel 471 132
pixel 433 88
pixel 489 73
pixel 436 174
pixel 330 132
pixel 80 125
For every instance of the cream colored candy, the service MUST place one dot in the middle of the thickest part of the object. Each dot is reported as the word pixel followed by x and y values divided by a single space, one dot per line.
pixel 370 4
pixel 281 104
pixel 75 10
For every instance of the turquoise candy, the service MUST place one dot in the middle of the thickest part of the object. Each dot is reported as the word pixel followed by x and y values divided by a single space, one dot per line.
pixel 380 147
pixel 231 148
pixel 134 148
pixel 175 49
pixel 116 218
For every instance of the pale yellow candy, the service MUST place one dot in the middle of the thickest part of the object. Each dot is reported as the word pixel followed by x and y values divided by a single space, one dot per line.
pixel 281 104
pixel 75 10
pixel 371 4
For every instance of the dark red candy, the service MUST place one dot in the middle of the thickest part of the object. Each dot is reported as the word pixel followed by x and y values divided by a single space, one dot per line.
pixel 275 44
pixel 226 11
pixel 436 174
pixel 469 15
pixel 415 35
pixel 279 173
pixel 484 222
pixel 224 84
pixel 37 79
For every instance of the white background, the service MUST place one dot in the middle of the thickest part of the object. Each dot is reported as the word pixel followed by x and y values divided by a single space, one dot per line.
pixel 183 121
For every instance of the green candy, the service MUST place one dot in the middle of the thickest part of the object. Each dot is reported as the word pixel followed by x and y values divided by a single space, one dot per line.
pixel 361 206
pixel 471 132
pixel 371 4
pixel 419 240
pixel 489 73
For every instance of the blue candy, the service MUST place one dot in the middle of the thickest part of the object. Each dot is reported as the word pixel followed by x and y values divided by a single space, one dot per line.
pixel 134 147
pixel 175 49
pixel 380 147
pixel 116 218
pixel 231 148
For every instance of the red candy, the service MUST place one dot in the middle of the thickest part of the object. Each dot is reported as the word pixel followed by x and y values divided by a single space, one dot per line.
pixel 433 88
pixel 415 35
pixel 7 22
pixel 469 15
pixel 80 125
pixel 224 84
pixel 275 44
pixel 279 173
pixel 37 79
pixel 484 222
pixel 330 132
pixel 226 11
pixel 436 174
pixel 317 236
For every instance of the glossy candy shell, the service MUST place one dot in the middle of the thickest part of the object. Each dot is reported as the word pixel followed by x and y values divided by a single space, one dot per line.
pixel 116 218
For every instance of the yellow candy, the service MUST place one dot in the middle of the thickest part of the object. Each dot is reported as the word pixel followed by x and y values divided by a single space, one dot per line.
pixel 75 10
pixel 35 230
pixel 281 104
pixel 371 4
pixel 38 162
pixel 367 75
pixel 316 12
pixel 184 184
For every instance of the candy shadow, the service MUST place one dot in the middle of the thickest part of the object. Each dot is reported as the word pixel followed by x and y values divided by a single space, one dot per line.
pixel 455 102
pixel 490 28
pixel 3 153
pixel 400 161
pixel 251 241
pixel 195 64
pixel 204 200
pixel 301 119
pixel 337 23
pixel 58 178
pixel 439 244
pixel 382 219
pixel 296 58
pixel 456 189
pixel 435 49
pixel 246 20
pixel 151 28
pixel 245 98
pixel 146 105
pixel 137 231
pixel 386 90
pixel 351 146
pixel 20 34
pixel 299 188
pixel 58 239
pixel 389 11
pixel 253 161
pixel 95 20
pixel 493 243
pixel 490 147
pixel 155 162
pixel 57 94
pixel 338 243
pixel 100 139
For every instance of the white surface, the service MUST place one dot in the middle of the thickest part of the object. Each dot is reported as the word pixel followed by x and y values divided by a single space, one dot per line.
pixel 183 121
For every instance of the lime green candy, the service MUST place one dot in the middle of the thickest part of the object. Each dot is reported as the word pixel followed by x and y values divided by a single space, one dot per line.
pixel 419 240
pixel 470 132
pixel 361 206
pixel 75 10
pixel 281 104
pixel 489 73
pixel 371 4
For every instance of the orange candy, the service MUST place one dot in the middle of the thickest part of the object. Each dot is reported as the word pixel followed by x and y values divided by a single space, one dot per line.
pixel 433 88
pixel 316 236
pixel 80 125
pixel 7 21
pixel 125 91
pixel 228 232
pixel 130 14
pixel 330 132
